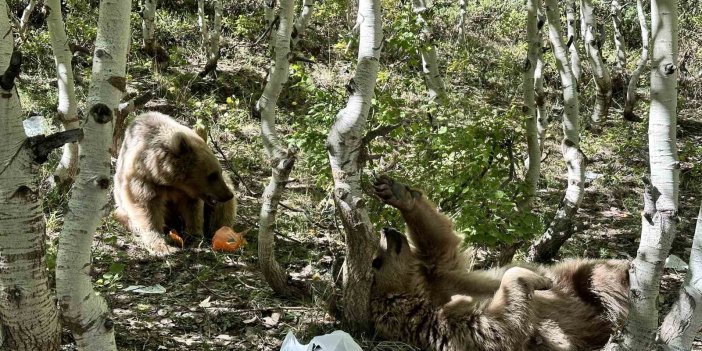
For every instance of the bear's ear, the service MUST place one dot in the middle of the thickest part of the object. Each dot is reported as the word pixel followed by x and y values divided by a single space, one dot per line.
pixel 391 239
pixel 180 144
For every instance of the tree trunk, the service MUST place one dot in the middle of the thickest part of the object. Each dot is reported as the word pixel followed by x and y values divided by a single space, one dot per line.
pixel 462 20
pixel 28 314
pixel 620 54
pixel 210 37
pixel 344 145
pixel 560 229
pixel 84 311
pixel 24 21
pixel 67 103
pixel 630 102
pixel 685 319
pixel 534 149
pixel 661 197
pixel 427 50
pixel 573 39
pixel 202 22
pixel 593 44
pixel 302 21
pixel 148 28
pixel 280 158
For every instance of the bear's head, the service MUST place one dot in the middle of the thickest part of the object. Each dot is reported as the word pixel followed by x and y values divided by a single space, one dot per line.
pixel 200 172
pixel 394 265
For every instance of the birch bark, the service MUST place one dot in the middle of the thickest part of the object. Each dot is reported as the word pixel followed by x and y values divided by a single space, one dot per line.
pixel 573 39
pixel 684 320
pixel 615 9
pixel 67 103
pixel 84 312
pixel 560 228
pixel 302 21
pixel 593 43
pixel 427 50
pixel 532 133
pixel 28 314
pixel 281 158
pixel 661 198
pixel 344 144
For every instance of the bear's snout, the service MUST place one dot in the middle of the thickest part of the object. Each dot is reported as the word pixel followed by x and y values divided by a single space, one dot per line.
pixel 225 196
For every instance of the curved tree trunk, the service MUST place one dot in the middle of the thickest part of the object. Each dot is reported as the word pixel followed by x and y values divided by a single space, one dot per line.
pixel 67 103
pixel 24 21
pixel 661 197
pixel 593 44
pixel 532 133
pixel 280 158
pixel 85 312
pixel 344 145
pixel 28 314
pixel 302 21
pixel 573 39
pixel 560 229
pixel 630 102
pixel 684 320
pixel 427 50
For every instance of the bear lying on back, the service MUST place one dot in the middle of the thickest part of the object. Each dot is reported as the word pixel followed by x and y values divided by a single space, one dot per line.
pixel 424 293
pixel 167 178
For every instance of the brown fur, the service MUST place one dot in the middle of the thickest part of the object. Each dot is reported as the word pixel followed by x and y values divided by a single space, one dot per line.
pixel 167 178
pixel 425 294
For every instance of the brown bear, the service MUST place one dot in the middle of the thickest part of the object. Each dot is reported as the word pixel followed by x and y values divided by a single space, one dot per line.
pixel 168 179
pixel 423 292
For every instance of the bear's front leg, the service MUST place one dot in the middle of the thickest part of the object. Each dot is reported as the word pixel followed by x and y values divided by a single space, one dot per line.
pixel 148 225
pixel 193 213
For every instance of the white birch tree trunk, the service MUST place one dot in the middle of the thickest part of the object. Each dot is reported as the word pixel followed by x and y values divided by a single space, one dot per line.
pixel 593 42
pixel 661 197
pixel 573 39
pixel 213 40
pixel 630 102
pixel 84 311
pixel 67 102
pixel 615 9
pixel 281 159
pixel 344 145
pixel 202 22
pixel 150 45
pixel 210 37
pixel 530 118
pixel 560 228
pixel 427 50
pixel 24 21
pixel 302 21
pixel 148 25
pixel 684 320
pixel 28 314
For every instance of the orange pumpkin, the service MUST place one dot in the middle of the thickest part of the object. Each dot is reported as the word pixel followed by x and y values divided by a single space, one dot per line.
pixel 227 240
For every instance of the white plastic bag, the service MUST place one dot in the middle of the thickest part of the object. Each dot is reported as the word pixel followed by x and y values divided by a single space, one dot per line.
pixel 336 341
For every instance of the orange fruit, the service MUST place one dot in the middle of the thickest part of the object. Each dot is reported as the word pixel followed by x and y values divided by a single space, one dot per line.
pixel 227 240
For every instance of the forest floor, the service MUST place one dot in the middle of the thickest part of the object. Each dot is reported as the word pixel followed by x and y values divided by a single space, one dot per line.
pixel 201 300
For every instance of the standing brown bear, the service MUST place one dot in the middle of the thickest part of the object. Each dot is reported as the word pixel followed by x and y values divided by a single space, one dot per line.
pixel 167 178
pixel 423 292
